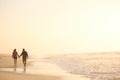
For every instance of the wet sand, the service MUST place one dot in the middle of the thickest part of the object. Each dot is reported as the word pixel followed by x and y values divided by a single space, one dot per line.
pixel 7 62
pixel 15 76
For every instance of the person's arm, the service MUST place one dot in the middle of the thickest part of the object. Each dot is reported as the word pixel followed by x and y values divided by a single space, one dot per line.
pixel 27 54
pixel 21 54
pixel 17 54
pixel 12 55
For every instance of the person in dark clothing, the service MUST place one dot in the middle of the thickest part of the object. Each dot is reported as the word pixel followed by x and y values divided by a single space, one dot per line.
pixel 24 55
pixel 15 56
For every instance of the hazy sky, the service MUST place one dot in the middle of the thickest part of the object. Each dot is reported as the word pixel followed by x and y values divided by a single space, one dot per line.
pixel 59 26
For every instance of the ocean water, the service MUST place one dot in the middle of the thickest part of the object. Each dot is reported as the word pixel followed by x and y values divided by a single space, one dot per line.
pixel 95 67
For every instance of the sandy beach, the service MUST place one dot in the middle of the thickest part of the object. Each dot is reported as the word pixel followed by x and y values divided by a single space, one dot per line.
pixel 88 66
pixel 7 62
pixel 46 71
pixel 15 76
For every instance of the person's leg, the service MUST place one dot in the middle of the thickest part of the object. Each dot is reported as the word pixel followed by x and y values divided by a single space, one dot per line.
pixel 15 63
pixel 24 62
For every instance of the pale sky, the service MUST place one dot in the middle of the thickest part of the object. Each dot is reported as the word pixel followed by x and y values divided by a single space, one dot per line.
pixel 59 26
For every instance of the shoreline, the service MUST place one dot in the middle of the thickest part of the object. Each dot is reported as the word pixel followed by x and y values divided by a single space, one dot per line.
pixel 41 70
pixel 96 66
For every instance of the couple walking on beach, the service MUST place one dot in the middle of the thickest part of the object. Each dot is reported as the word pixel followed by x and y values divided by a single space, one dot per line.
pixel 15 55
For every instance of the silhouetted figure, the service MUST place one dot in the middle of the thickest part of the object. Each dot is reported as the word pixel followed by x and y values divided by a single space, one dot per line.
pixel 14 56
pixel 24 55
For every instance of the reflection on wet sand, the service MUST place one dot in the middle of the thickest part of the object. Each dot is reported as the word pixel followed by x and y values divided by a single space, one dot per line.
pixel 24 68
pixel 15 66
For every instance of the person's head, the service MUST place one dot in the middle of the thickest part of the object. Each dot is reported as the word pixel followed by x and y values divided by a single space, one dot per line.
pixel 14 49
pixel 23 49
